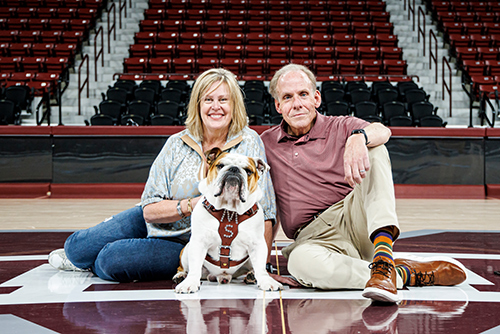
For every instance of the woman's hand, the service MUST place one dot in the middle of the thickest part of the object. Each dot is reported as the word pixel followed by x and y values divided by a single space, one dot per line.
pixel 166 211
pixel 194 201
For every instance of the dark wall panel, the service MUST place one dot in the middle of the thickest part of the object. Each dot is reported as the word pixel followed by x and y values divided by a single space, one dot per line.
pixel 25 159
pixel 95 159
pixel 126 158
pixel 492 160
pixel 437 160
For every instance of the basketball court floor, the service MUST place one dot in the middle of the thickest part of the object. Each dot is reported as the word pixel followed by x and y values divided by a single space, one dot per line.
pixel 36 299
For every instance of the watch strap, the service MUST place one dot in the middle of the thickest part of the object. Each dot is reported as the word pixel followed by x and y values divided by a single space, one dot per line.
pixel 356 131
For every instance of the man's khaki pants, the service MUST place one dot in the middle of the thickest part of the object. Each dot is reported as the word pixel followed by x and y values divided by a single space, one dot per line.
pixel 334 250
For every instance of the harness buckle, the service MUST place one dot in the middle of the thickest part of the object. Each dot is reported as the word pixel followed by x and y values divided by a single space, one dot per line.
pixel 225 251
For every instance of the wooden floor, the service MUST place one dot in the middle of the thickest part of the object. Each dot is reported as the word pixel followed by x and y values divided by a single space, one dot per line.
pixel 34 297
pixel 73 214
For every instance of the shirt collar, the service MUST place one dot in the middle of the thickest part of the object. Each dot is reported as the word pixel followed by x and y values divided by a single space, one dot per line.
pixel 316 132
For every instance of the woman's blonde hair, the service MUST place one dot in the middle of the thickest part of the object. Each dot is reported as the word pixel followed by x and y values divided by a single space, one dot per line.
pixel 221 76
pixel 286 69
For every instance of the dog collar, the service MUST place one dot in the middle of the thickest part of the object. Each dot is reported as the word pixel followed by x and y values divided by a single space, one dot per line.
pixel 227 232
pixel 230 215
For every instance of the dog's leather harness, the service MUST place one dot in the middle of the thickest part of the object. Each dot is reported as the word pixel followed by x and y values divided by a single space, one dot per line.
pixel 228 230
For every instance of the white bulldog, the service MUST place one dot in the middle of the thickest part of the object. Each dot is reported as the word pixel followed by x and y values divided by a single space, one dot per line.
pixel 227 225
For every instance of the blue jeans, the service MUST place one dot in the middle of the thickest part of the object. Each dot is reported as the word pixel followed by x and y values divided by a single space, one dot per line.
pixel 118 249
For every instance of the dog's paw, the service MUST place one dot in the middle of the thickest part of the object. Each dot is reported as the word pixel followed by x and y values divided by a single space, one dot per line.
pixel 188 286
pixel 179 277
pixel 250 278
pixel 269 284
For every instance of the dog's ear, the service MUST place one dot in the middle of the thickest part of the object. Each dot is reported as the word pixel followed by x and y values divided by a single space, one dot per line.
pixel 261 165
pixel 212 155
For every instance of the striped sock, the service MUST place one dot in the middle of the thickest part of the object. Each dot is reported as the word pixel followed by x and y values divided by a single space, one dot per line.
pixel 383 245
pixel 405 274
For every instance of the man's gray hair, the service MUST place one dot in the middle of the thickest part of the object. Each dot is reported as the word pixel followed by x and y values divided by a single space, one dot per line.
pixel 290 68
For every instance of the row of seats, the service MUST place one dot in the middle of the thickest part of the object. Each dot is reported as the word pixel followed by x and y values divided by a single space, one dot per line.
pixel 423 114
pixel 261 77
pixel 473 53
pixel 473 40
pixel 263 51
pixel 264 4
pixel 149 102
pixel 482 67
pixel 483 83
pixel 453 16
pixel 46 24
pixel 379 15
pixel 246 26
pixel 39 81
pixel 39 49
pixel 8 65
pixel 316 39
pixel 150 94
pixel 379 92
pixel 137 112
pixel 464 6
pixel 264 66
pixel 15 5
pixel 22 13
pixel 468 28
pixel 41 37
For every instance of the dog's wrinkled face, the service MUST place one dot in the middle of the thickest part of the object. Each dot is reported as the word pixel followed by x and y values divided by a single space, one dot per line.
pixel 233 177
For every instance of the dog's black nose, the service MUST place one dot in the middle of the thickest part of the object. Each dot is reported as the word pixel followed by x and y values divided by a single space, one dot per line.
pixel 233 169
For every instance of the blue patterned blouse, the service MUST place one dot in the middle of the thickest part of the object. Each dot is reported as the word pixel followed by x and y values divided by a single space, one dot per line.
pixel 178 169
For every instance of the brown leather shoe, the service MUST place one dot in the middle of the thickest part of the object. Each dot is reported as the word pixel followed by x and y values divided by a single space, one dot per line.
pixel 433 270
pixel 382 284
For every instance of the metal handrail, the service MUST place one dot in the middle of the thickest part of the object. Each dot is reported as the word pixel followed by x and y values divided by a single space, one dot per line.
pixel 411 10
pixel 486 99
pixel 445 84
pixel 122 8
pixel 44 100
pixel 59 103
pixel 111 28
pixel 433 56
pixel 85 83
pixel 420 30
pixel 99 54
pixel 47 105
pixel 469 94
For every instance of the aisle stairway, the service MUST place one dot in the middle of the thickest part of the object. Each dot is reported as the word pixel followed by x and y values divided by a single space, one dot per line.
pixel 418 64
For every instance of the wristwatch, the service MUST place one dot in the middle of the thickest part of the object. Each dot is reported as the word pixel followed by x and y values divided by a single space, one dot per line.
pixel 269 268
pixel 356 131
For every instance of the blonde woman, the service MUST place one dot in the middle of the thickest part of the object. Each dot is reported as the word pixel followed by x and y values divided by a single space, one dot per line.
pixel 144 243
